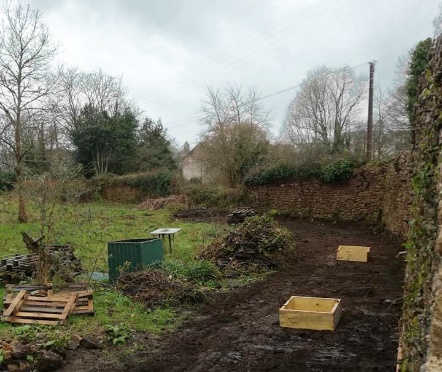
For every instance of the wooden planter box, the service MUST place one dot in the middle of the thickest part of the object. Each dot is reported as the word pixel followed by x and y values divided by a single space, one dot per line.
pixel 352 253
pixel 310 313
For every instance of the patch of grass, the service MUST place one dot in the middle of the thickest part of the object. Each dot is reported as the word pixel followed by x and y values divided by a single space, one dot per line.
pixel 198 271
pixel 88 228
pixel 114 308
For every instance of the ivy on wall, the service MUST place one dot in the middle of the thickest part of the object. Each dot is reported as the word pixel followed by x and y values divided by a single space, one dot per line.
pixel 333 173
pixel 422 259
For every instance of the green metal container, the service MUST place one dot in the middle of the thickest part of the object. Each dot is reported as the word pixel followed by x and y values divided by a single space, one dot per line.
pixel 132 255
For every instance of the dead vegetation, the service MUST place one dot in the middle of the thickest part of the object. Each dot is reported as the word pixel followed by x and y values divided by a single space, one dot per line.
pixel 159 203
pixel 153 288
pixel 196 214
pixel 259 243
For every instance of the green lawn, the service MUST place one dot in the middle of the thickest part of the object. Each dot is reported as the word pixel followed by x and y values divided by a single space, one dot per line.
pixel 88 228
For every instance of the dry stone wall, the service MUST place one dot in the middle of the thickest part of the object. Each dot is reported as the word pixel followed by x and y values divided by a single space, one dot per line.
pixel 380 194
pixel 422 313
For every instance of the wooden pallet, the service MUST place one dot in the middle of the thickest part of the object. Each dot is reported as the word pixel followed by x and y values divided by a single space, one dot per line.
pixel 59 293
pixel 26 309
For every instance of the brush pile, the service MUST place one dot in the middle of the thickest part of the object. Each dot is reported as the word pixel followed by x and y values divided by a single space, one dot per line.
pixel 160 203
pixel 153 288
pixel 259 243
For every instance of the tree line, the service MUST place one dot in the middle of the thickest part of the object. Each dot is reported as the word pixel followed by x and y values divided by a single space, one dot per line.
pixel 56 114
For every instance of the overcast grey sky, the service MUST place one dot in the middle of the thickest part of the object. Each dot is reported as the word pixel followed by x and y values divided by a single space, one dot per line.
pixel 169 51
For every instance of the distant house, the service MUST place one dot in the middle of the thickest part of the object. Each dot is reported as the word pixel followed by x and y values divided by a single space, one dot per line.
pixel 195 166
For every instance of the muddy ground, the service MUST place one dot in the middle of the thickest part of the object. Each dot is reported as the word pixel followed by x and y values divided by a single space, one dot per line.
pixel 239 330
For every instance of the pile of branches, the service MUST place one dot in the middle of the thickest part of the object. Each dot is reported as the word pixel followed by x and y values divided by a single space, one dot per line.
pixel 260 243
pixel 160 203
pixel 153 288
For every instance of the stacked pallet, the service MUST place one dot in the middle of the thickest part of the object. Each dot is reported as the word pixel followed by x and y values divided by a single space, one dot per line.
pixel 239 215
pixel 28 304
pixel 17 267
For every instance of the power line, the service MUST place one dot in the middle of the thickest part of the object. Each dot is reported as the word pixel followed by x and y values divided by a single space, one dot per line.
pixel 298 85
pixel 278 92
pixel 281 32
pixel 271 28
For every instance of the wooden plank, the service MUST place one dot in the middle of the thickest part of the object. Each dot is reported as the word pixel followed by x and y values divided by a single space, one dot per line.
pixel 316 304
pixel 38 315
pixel 28 287
pixel 82 293
pixel 46 301
pixel 32 321
pixel 7 298
pixel 73 286
pixel 305 320
pixel 15 303
pixel 37 301
pixel 69 307
pixel 27 308
pixel 86 309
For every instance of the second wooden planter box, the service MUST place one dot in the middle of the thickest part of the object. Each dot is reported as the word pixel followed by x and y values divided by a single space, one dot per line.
pixel 352 253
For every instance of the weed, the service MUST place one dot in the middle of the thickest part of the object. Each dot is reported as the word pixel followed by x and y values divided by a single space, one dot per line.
pixel 117 334
pixel 30 359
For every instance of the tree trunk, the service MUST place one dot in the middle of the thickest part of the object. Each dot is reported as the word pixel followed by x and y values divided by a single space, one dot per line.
pixel 22 215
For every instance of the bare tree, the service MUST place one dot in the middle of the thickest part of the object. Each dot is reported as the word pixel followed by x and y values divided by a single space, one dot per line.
pixel 93 89
pixel 325 108
pixel 437 23
pixel 26 52
pixel 235 137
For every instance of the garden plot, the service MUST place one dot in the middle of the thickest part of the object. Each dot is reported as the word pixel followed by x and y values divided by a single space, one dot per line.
pixel 239 330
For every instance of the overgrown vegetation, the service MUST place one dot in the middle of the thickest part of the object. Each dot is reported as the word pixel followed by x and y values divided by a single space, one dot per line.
pixel 417 65
pixel 212 196
pixel 149 184
pixel 421 255
pixel 330 173
pixel 7 180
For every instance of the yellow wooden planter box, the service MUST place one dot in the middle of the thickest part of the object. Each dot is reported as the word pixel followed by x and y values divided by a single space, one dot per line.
pixel 352 253
pixel 310 313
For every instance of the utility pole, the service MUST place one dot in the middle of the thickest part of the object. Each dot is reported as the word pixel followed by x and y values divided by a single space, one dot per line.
pixel 370 113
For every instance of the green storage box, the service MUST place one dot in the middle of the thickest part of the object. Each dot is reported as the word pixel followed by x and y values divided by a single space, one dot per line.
pixel 138 253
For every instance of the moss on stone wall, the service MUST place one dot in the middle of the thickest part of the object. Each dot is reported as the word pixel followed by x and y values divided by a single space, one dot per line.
pixel 422 258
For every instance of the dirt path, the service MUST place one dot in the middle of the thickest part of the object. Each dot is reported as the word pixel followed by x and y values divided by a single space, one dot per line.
pixel 239 331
